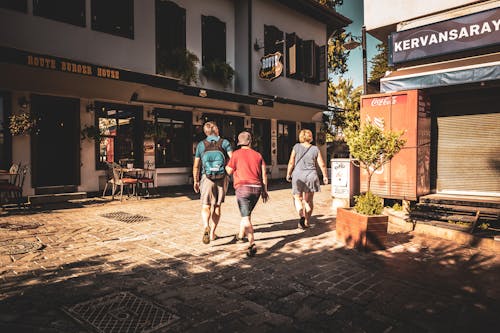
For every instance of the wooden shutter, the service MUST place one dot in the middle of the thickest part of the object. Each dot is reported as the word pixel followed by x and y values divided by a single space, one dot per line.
pixel 272 35
pixel 321 63
pixel 291 55
pixel 309 51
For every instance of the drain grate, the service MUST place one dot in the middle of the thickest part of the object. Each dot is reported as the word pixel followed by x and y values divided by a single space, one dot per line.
pixel 126 217
pixel 10 247
pixel 121 312
pixel 19 226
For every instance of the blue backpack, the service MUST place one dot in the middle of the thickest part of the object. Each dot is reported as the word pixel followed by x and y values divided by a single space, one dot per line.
pixel 213 159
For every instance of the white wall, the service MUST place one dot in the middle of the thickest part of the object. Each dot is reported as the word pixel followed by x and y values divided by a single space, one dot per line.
pixel 288 21
pixel 381 13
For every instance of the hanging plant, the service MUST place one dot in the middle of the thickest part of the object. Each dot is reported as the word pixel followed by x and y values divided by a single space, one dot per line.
pixel 218 71
pixel 21 124
pixel 180 62
pixel 91 133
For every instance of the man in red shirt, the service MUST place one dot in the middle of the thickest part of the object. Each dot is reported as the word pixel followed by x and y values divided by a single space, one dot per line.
pixel 250 182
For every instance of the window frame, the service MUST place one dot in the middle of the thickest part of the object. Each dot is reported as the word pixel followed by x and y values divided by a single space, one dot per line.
pixel 101 27
pixel 209 32
pixel 170 44
pixel 44 9
pixel 137 131
pixel 184 116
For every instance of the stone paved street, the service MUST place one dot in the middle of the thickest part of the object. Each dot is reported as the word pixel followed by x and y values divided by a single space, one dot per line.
pixel 300 281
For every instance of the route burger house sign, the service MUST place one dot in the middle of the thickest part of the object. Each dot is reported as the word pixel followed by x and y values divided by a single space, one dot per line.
pixel 454 35
pixel 271 66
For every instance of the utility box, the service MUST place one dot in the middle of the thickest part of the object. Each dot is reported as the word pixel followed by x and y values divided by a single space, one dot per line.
pixel 407 175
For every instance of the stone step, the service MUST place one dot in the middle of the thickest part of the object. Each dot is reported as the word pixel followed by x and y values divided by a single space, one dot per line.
pixel 456 200
pixel 53 198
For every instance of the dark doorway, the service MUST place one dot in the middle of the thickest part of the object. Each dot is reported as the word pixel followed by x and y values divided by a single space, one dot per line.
pixel 229 126
pixel 55 146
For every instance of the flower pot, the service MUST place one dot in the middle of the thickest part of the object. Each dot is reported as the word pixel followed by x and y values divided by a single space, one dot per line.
pixel 366 232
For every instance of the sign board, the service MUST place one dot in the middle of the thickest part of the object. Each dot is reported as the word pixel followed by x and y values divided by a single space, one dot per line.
pixel 340 178
pixel 271 66
pixel 455 35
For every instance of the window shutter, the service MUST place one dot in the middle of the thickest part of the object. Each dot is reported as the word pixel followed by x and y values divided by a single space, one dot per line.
pixel 309 49
pixel 321 61
pixel 291 55
pixel 300 59
pixel 271 36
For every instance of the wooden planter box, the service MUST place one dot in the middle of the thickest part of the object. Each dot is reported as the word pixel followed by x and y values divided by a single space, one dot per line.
pixel 367 232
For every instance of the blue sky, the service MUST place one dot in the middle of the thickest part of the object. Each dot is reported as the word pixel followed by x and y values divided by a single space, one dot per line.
pixel 353 9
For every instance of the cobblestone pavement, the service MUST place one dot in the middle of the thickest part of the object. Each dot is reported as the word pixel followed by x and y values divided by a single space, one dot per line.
pixel 299 281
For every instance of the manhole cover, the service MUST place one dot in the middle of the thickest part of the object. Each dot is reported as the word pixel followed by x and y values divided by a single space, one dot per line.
pixel 121 312
pixel 126 217
pixel 19 247
pixel 18 226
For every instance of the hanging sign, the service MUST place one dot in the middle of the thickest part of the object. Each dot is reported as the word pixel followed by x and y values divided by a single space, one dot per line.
pixel 271 66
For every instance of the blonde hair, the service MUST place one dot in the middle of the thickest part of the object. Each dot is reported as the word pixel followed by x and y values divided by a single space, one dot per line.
pixel 305 135
pixel 210 128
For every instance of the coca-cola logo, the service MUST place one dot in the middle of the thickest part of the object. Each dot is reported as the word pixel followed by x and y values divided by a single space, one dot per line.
pixel 381 101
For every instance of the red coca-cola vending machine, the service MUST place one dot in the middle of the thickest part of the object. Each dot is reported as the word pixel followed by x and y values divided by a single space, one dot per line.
pixel 407 175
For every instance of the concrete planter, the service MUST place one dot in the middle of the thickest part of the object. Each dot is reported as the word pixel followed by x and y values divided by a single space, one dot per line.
pixel 361 231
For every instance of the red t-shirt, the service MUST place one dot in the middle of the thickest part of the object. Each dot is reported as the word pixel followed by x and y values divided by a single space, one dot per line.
pixel 247 166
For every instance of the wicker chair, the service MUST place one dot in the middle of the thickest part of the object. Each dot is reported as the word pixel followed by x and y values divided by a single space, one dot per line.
pixel 115 177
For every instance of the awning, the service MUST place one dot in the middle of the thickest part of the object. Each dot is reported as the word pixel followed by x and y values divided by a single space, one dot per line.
pixel 462 71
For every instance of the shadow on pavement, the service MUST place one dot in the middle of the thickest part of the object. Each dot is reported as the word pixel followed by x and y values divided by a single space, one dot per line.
pixel 437 289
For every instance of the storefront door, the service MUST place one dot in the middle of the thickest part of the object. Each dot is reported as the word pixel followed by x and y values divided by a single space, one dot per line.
pixel 55 151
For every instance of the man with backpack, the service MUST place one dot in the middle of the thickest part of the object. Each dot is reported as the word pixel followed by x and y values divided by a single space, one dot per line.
pixel 212 154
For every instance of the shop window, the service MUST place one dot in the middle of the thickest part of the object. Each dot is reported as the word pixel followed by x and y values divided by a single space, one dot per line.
pixel 213 40
pixel 170 32
pixel 5 137
pixel 114 17
pixel 261 132
pixel 120 133
pixel 229 127
pixel 171 146
pixel 18 5
pixel 287 138
pixel 72 12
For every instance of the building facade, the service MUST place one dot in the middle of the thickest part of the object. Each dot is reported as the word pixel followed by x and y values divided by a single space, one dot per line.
pixel 136 79
pixel 448 51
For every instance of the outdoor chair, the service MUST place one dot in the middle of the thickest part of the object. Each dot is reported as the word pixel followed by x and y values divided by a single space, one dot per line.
pixel 147 178
pixel 115 177
pixel 13 189
pixel 13 172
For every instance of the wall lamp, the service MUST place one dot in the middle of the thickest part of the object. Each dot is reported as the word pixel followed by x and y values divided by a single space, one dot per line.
pixel 257 45
pixel 23 102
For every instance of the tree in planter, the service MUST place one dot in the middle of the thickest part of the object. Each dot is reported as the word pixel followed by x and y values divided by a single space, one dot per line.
pixel 219 71
pixel 371 147
pixel 181 62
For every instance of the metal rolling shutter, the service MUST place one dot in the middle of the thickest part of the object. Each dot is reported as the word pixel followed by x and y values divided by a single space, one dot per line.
pixel 468 158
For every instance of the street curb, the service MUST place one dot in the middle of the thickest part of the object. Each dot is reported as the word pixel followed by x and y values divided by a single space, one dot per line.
pixel 398 220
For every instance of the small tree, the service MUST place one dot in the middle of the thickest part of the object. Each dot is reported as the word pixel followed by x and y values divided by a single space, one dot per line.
pixel 371 147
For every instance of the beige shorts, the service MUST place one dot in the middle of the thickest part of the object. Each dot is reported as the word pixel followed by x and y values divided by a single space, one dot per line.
pixel 213 192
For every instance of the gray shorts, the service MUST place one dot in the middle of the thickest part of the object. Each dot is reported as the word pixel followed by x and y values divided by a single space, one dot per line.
pixel 213 192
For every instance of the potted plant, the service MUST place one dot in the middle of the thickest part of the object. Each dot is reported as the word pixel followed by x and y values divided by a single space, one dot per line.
pixel 91 133
pixel 364 226
pixel 181 63
pixel 21 124
pixel 218 71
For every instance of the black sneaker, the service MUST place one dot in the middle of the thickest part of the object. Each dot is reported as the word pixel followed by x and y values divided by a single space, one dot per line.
pixel 252 250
